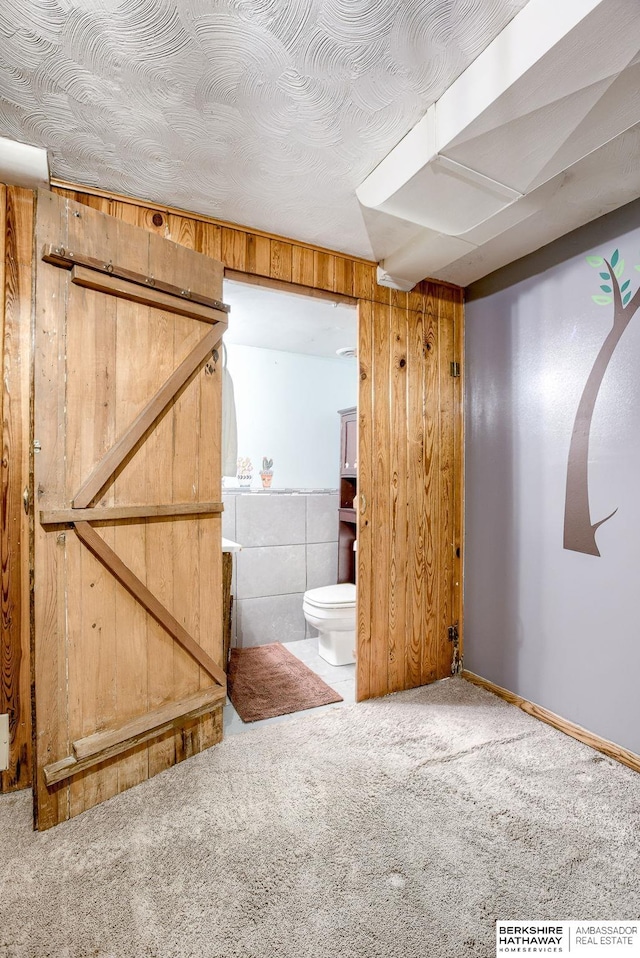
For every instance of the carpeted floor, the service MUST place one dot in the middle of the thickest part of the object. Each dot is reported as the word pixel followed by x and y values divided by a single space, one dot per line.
pixel 399 828
pixel 269 680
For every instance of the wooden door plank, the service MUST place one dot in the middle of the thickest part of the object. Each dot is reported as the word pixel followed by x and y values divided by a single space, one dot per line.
pixel 58 256
pixel 101 746
pixel 154 408
pixel 139 334
pixel 209 538
pixel 51 734
pixel 91 430
pixel 183 483
pixel 125 289
pixel 199 469
pixel 113 514
pixel 154 607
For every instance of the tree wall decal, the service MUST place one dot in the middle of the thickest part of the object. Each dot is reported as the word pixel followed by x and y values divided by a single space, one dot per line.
pixel 579 530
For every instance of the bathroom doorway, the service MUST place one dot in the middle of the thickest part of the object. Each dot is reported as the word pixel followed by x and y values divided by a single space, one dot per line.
pixel 291 360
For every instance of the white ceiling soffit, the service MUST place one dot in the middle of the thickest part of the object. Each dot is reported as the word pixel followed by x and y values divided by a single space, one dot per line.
pixel 23 165
pixel 537 137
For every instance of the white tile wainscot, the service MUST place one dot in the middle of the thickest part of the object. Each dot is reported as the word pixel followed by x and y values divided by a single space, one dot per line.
pixel 289 544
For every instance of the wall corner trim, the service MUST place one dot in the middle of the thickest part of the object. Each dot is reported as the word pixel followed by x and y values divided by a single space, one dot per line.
pixel 617 752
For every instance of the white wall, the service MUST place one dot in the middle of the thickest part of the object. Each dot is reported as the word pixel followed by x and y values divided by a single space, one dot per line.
pixel 287 409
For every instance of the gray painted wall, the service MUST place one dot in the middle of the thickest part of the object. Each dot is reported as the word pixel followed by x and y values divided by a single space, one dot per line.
pixel 557 627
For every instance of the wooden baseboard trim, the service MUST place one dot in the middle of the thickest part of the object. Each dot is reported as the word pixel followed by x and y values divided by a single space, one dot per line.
pixel 617 752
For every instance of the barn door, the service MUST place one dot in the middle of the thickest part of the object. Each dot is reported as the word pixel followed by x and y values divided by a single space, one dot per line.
pixel 126 464
pixel 409 484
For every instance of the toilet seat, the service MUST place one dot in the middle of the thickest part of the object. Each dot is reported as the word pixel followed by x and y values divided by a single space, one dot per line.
pixel 342 596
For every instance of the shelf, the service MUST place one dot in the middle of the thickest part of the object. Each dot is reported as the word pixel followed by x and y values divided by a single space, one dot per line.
pixel 347 515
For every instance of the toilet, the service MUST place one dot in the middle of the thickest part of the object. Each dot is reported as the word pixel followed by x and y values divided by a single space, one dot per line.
pixel 332 611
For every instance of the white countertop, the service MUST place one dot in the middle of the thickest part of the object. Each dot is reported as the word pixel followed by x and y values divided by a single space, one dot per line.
pixel 229 546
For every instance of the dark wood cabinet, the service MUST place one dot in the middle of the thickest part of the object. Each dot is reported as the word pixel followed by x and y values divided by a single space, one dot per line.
pixel 348 442
pixel 348 494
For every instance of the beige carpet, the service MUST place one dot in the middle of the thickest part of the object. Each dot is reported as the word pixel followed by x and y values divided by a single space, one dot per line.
pixel 269 680
pixel 400 828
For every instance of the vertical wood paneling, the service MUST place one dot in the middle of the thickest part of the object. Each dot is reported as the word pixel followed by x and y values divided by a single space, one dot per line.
pixel 417 356
pixel 365 555
pixel 208 240
pixel 324 272
pixel 344 270
pixel 433 570
pixel 381 505
pixel 430 610
pixel 234 248
pixel 16 223
pixel 280 265
pixel 446 501
pixel 410 448
pixel 458 472
pixel 363 282
pixel 258 256
pixel 398 492
pixel 302 266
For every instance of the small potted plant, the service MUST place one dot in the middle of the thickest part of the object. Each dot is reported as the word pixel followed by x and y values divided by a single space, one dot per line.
pixel 267 472
pixel 245 471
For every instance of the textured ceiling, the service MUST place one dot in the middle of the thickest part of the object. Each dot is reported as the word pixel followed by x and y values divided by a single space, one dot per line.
pixel 262 112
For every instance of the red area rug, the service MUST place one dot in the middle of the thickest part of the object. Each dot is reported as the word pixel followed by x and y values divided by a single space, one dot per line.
pixel 268 680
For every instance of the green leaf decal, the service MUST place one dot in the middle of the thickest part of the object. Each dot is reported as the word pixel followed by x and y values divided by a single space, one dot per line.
pixel 597 261
pixel 602 300
pixel 637 267
pixel 624 286
pixel 604 276
pixel 626 298
pixel 619 270
pixel 605 289
pixel 614 258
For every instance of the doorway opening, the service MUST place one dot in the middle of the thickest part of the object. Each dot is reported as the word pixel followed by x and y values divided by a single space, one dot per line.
pixel 291 359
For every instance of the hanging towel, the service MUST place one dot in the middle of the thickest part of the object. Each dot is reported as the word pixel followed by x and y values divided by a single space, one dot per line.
pixel 229 424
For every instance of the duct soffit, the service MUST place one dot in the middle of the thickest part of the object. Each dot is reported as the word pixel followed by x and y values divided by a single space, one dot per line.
pixel 554 88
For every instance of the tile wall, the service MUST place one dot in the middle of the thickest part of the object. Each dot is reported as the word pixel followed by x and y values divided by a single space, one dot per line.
pixel 289 544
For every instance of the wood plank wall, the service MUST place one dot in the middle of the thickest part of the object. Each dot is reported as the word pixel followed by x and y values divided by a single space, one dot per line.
pixel 16 227
pixel 385 661
pixel 409 481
